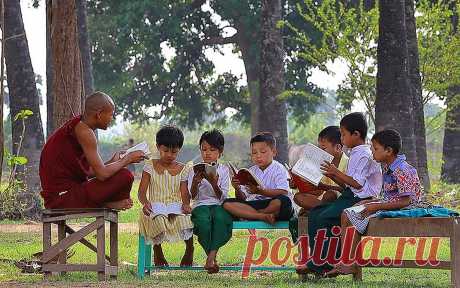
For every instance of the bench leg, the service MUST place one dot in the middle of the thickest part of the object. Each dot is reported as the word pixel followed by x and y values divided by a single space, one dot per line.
pixel 455 254
pixel 62 259
pixel 46 242
pixel 141 257
pixel 101 250
pixel 148 258
pixel 114 246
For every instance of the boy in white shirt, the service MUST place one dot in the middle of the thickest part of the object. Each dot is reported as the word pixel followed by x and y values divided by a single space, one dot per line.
pixel 363 180
pixel 272 200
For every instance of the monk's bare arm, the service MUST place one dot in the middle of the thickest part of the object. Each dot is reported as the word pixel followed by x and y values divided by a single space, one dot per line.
pixel 88 142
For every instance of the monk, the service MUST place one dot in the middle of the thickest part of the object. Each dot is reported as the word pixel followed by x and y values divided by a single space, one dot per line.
pixel 72 172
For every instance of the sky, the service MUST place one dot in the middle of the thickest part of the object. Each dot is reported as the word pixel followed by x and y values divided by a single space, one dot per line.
pixel 35 21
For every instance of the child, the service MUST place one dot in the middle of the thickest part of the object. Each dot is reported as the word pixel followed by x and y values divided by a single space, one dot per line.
pixel 271 201
pixel 401 188
pixel 160 182
pixel 328 191
pixel 363 180
pixel 212 224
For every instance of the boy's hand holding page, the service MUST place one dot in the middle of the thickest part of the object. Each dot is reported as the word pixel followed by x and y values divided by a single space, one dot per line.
pixel 329 169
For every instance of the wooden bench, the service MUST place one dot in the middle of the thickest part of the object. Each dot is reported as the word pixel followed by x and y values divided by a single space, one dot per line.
pixel 413 227
pixel 144 259
pixel 54 257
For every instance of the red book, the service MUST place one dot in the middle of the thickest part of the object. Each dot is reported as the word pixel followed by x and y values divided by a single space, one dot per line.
pixel 244 176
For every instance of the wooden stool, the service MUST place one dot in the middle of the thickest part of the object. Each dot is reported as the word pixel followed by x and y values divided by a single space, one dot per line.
pixel 54 257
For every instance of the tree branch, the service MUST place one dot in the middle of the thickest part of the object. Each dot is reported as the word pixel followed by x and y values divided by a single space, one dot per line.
pixel 220 40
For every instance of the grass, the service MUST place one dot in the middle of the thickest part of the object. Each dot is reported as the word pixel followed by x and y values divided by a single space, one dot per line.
pixel 18 246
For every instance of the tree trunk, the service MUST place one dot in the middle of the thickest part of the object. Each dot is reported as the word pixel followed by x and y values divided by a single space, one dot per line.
pixel 49 73
pixel 274 110
pixel 85 51
pixel 416 89
pixel 451 146
pixel 393 104
pixel 23 95
pixel 2 94
pixel 67 66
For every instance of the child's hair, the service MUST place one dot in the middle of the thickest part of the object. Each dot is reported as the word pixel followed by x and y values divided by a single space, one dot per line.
pixel 355 122
pixel 389 139
pixel 170 136
pixel 331 134
pixel 266 137
pixel 214 138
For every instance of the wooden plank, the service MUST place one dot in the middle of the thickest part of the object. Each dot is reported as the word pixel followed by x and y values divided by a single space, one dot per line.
pixel 46 244
pixel 455 253
pixel 101 248
pixel 72 267
pixel 443 265
pixel 62 259
pixel 85 242
pixel 410 227
pixel 72 216
pixel 113 247
pixel 74 210
pixel 259 225
pixel 69 241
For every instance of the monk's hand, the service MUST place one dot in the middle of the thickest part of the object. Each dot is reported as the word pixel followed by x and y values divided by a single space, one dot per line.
pixel 117 156
pixel 135 157
pixel 147 209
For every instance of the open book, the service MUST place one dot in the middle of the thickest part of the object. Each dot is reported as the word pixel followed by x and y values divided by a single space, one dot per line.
pixel 244 176
pixel 159 208
pixel 143 146
pixel 308 166
pixel 210 169
pixel 302 185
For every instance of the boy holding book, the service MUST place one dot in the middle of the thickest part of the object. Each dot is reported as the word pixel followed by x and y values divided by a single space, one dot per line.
pixel 328 191
pixel 362 180
pixel 401 188
pixel 270 201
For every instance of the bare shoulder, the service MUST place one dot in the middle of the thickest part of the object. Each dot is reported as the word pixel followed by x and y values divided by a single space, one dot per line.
pixel 84 134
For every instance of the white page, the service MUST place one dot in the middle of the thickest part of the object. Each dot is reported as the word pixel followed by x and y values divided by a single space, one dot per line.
pixel 158 208
pixel 308 166
pixel 175 208
pixel 143 146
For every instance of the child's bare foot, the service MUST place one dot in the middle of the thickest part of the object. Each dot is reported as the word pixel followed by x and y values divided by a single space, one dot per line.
pixel 214 269
pixel 120 205
pixel 340 269
pixel 269 218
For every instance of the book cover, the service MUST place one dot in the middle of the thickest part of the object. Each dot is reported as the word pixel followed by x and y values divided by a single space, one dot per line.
pixel 308 167
pixel 210 169
pixel 244 176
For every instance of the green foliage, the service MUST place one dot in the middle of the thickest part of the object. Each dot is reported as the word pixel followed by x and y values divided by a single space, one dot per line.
pixel 12 192
pixel 153 54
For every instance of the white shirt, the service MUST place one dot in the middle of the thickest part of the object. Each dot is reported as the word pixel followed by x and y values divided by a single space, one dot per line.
pixel 275 176
pixel 206 194
pixel 366 171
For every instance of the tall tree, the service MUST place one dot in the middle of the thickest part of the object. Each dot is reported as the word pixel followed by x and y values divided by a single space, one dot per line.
pixel 416 91
pixel 23 94
pixel 273 117
pixel 85 50
pixel 451 145
pixel 393 82
pixel 49 73
pixel 66 61
pixel 2 91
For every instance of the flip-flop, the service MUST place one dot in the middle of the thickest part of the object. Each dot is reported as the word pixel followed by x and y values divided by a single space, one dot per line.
pixel 336 271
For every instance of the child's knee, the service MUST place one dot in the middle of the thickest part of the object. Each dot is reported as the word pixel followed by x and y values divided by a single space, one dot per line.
pixel 344 219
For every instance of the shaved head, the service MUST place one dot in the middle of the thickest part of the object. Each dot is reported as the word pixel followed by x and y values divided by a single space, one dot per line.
pixel 98 101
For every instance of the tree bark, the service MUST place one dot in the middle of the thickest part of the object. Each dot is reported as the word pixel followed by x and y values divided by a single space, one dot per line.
pixel 49 73
pixel 417 99
pixel 450 171
pixel 23 95
pixel 393 105
pixel 67 67
pixel 85 51
pixel 274 110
